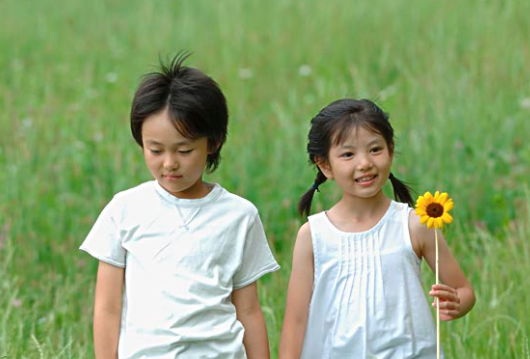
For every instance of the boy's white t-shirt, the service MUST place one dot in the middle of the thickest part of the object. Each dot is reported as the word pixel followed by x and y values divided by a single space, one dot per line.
pixel 179 279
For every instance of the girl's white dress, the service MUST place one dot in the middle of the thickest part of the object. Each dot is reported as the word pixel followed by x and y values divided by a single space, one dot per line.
pixel 368 300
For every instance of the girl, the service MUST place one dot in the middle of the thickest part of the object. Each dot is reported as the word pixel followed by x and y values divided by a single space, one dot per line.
pixel 179 257
pixel 355 289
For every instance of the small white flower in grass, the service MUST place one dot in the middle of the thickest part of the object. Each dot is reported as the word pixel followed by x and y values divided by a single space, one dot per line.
pixel 79 145
pixel 245 73
pixel 17 64
pixel 387 92
pixel 525 103
pixel 27 122
pixel 16 303
pixel 111 77
pixel 91 93
pixel 13 169
pixel 305 70
pixel 97 137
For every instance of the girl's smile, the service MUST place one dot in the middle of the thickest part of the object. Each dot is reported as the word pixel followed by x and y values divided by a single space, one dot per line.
pixel 366 180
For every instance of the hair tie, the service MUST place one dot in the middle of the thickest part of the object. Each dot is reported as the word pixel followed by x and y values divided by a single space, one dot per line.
pixel 314 187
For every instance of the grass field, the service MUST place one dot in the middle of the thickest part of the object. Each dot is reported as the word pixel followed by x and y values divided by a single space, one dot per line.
pixel 454 77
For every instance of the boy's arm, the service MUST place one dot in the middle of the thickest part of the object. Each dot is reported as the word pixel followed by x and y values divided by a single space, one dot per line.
pixel 107 310
pixel 298 296
pixel 455 292
pixel 248 311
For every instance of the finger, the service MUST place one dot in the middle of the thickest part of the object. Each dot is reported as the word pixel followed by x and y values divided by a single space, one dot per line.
pixel 444 288
pixel 445 295
pixel 447 305
pixel 448 316
pixel 449 310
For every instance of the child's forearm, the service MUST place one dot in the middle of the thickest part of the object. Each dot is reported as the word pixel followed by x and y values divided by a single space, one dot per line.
pixel 255 340
pixel 106 335
pixel 467 300
pixel 293 334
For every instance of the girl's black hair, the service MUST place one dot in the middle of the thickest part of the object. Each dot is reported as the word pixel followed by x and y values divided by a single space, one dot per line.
pixel 196 104
pixel 330 127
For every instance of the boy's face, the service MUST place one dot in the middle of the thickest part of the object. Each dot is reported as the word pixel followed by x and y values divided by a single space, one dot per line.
pixel 176 162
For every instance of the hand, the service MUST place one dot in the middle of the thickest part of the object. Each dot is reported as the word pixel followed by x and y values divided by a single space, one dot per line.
pixel 449 301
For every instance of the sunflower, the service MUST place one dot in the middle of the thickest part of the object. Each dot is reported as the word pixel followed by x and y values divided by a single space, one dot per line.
pixel 434 210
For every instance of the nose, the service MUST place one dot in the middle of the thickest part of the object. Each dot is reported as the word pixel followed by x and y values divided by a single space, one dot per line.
pixel 170 162
pixel 364 163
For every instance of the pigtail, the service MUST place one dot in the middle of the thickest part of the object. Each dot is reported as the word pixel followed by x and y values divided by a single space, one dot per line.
pixel 304 205
pixel 402 192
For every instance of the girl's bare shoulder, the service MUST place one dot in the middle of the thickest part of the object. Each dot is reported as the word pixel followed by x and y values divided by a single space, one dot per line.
pixel 419 233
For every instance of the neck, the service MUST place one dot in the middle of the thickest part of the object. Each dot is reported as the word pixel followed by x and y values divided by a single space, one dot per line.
pixel 359 214
pixel 361 208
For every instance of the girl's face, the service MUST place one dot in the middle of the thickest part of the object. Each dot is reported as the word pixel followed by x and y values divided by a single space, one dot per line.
pixel 176 162
pixel 360 165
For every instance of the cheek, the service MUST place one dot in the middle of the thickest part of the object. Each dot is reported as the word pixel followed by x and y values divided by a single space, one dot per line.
pixel 150 160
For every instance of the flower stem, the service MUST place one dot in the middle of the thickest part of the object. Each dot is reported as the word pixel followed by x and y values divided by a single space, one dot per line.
pixel 437 299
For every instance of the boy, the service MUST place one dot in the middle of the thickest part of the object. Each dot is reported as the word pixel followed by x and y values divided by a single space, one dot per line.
pixel 179 257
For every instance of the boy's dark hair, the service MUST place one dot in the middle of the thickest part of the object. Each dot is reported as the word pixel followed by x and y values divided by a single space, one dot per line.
pixel 195 102
pixel 330 126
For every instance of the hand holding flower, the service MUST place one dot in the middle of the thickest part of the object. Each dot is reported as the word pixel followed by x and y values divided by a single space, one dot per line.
pixel 449 301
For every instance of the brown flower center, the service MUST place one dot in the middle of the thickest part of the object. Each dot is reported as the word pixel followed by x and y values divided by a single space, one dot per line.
pixel 435 210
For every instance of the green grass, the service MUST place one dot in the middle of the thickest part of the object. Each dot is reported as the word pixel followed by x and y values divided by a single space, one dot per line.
pixel 452 75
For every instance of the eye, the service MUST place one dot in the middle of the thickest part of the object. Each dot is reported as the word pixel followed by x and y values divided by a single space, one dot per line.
pixel 185 152
pixel 347 155
pixel 376 149
pixel 155 152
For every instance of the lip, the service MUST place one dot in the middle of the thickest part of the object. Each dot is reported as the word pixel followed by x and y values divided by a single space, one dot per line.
pixel 172 177
pixel 366 183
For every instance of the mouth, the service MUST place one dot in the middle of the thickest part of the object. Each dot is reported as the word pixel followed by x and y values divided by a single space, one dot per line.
pixel 365 179
pixel 171 176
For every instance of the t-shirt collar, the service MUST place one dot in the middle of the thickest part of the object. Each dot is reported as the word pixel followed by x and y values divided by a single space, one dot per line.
pixel 215 191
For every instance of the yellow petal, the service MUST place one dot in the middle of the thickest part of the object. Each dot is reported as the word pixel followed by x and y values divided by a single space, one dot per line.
pixel 447 218
pixel 449 205
pixel 443 198
pixel 421 212
pixel 430 222
pixel 439 223
pixel 424 219
pixel 427 195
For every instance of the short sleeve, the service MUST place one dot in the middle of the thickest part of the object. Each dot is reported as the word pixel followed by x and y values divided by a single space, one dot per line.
pixel 257 256
pixel 103 241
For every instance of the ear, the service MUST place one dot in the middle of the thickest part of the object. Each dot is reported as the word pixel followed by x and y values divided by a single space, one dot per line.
pixel 324 167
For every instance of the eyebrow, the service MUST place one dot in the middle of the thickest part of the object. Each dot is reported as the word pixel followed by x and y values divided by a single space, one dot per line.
pixel 178 143
pixel 376 141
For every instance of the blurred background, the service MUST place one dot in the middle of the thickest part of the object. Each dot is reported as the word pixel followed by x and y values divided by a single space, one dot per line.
pixel 453 76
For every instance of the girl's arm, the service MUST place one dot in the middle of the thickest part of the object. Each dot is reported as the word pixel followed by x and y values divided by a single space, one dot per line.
pixel 455 293
pixel 298 296
pixel 107 310
pixel 248 311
